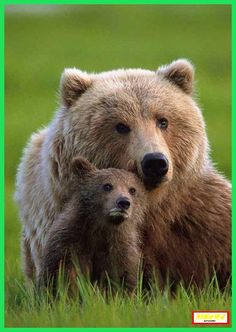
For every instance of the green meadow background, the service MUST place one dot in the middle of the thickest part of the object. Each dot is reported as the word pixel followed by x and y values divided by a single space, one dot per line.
pixel 40 41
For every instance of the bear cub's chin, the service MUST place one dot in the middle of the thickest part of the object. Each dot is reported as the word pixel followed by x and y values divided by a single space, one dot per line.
pixel 117 216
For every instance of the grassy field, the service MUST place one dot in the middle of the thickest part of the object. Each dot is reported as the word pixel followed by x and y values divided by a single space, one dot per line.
pixel 94 309
pixel 38 46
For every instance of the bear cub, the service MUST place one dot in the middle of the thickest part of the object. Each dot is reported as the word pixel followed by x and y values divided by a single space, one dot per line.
pixel 99 228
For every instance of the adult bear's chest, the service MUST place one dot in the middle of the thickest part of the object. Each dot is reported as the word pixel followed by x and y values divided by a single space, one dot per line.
pixel 175 252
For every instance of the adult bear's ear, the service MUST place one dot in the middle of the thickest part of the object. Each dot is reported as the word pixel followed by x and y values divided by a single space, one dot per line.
pixel 73 83
pixel 81 166
pixel 180 73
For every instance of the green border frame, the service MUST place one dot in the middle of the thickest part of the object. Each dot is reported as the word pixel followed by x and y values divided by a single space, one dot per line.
pixel 114 2
pixel 117 2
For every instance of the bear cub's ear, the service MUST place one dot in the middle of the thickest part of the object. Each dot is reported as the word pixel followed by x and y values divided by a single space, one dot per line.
pixel 180 73
pixel 73 83
pixel 81 166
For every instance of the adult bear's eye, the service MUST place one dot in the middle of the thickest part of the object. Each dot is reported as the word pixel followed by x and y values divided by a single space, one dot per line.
pixel 107 187
pixel 132 191
pixel 122 129
pixel 162 123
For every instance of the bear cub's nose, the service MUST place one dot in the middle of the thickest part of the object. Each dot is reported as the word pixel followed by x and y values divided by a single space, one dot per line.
pixel 123 203
pixel 155 165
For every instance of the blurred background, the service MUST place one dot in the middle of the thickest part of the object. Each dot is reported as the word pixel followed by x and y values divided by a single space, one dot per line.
pixel 40 41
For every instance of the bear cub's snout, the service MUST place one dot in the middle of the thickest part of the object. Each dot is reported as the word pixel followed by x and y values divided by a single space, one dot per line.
pixel 121 212
pixel 123 203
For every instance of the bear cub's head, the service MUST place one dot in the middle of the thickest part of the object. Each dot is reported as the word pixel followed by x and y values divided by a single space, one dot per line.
pixel 111 196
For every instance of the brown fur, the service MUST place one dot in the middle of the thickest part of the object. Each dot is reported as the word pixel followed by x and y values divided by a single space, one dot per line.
pixel 194 240
pixel 85 233
pixel 189 220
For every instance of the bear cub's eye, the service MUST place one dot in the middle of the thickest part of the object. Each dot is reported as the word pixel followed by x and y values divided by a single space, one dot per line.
pixel 162 123
pixel 132 191
pixel 107 187
pixel 122 129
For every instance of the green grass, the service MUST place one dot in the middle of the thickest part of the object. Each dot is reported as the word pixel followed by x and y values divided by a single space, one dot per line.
pixel 97 38
pixel 94 308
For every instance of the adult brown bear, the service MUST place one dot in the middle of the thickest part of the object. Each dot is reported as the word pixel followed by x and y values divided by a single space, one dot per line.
pixel 145 117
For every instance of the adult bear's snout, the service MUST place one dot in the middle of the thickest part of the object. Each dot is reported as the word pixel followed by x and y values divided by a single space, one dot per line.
pixel 155 166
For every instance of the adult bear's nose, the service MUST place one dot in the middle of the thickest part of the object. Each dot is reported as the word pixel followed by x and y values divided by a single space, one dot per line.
pixel 123 203
pixel 155 166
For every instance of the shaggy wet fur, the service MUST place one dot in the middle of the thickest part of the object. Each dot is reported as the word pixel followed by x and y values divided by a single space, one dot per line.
pixel 188 232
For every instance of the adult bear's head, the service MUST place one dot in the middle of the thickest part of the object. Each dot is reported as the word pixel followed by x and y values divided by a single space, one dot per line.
pixel 135 116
